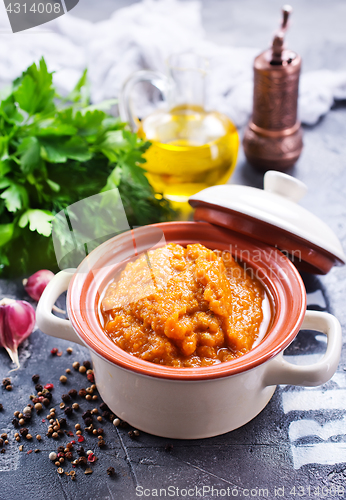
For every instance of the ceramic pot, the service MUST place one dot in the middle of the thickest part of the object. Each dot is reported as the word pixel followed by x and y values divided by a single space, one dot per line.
pixel 190 403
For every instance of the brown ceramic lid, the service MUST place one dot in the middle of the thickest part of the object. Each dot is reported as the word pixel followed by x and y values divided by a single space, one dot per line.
pixel 273 216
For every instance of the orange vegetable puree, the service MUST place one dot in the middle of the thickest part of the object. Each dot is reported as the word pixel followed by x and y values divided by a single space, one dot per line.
pixel 184 307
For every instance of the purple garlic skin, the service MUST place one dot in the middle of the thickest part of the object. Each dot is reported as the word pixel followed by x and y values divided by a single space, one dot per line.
pixel 35 285
pixel 17 321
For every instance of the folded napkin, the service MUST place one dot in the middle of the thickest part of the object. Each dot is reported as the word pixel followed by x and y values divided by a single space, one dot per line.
pixel 141 36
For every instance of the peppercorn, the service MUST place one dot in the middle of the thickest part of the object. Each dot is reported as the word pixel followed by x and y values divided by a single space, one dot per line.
pixel 61 460
pixel 6 381
pixel 169 447
pixel 38 407
pixel 95 431
pixel 89 452
pixel 21 421
pixel 63 379
pixel 123 424
pixel 75 365
pixel 15 422
pixel 49 387
pixel 89 390
pixel 28 436
pixel 1 442
pixel 82 393
pixel 62 406
pixel 101 443
pixel 35 378
pixel 38 437
pixel 87 414
pixel 68 371
pixel 60 470
pixel 136 432
pixel 90 372
pixel 3 450
pixel 95 397
pixel 68 411
pixel 48 395
pixel 82 460
pixel 75 406
pixel 99 418
pixel 116 422
pixel 55 435
pixel 88 421
pixel 1 407
pixel 73 393
pixel 23 431
pixel 46 402
pixel 82 369
pixel 88 397
pixel 60 449
pixel 87 364
pixel 69 350
pixel 17 438
pixel 66 398
pixel 21 447
pixel 104 407
pixel 8 387
pixel 106 415
pixel 56 428
pixel 110 471
pixel 69 455
pixel 54 351
pixel 80 451
pixel 99 431
pixel 62 422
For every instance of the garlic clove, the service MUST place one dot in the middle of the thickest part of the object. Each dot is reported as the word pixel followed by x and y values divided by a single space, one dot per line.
pixel 36 283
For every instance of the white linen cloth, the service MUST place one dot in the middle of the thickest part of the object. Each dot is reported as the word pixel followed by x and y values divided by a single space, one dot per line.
pixel 141 36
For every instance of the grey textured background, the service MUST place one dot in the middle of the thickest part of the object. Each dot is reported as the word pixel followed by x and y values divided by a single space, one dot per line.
pixel 258 455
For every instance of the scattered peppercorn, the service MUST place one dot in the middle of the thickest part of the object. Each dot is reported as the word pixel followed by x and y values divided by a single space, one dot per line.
pixel 38 407
pixel 48 395
pixel 60 449
pixel 73 393
pixel 101 443
pixel 46 402
pixel 95 397
pixel 80 451
pixel 8 387
pixel 69 455
pixel 123 424
pixel 82 460
pixel 62 422
pixel 69 350
pixel 3 450
pixel 88 471
pixel 82 393
pixel 52 456
pixel 54 351
pixel 63 379
pixel 1 442
pixel 116 422
pixel 75 365
pixel 24 431
pixel 106 414
pixel 37 450
pixel 99 418
pixel 104 407
pixel 21 447
pixel 77 427
pixel 132 435
pixel 60 470
pixel 90 377
pixel 15 422
pixel 21 421
pixel 110 471
pixel 88 397
pixel 68 371
pixel 55 435
pixel 68 411
pixel 88 421
pixel 35 378
pixel 75 406
pixel 6 381
pixel 169 447
pixel 38 437
pixel 82 369
pixel 1 407
pixel 66 398
pixel 87 364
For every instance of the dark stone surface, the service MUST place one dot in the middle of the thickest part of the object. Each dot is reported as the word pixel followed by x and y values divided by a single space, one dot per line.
pixel 261 453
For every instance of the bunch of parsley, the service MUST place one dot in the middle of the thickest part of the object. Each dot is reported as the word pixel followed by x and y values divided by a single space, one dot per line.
pixel 54 152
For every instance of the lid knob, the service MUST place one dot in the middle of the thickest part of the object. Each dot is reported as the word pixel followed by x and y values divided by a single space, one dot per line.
pixel 284 185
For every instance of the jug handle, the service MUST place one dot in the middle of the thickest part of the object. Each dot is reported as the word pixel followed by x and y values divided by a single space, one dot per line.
pixel 157 79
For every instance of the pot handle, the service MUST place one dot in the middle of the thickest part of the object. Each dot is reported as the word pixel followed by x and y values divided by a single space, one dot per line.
pixel 280 371
pixel 46 321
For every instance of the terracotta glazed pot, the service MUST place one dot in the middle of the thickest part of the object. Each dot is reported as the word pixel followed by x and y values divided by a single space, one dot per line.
pixel 190 403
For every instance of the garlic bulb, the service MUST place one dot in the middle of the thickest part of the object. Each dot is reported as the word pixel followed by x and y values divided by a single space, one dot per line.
pixel 17 321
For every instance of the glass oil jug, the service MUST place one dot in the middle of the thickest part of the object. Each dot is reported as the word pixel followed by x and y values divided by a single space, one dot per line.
pixel 191 148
